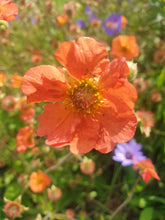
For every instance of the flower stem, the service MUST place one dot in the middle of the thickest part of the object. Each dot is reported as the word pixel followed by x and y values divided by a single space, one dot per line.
pixel 65 158
pixel 119 208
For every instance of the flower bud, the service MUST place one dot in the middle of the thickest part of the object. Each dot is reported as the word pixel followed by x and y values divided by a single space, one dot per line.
pixel 14 208
pixel 54 193
pixel 70 213
pixel 132 70
pixel 3 25
pixel 87 166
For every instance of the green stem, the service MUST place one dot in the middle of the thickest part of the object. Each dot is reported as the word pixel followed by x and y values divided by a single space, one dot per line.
pixel 119 208
pixel 65 158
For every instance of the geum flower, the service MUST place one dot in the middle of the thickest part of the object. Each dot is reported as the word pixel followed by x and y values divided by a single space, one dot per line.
pixel 125 152
pixel 8 10
pixel 39 181
pixel 146 169
pixel 92 100
pixel 113 24
pixel 124 46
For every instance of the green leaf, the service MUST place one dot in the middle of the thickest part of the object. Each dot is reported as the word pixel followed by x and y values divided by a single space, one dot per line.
pixel 146 214
pixel 161 78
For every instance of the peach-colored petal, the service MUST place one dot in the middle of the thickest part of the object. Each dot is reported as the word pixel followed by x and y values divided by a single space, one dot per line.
pixel 115 70
pixel 44 83
pixel 119 121
pixel 85 137
pixel 123 90
pixel 79 58
pixel 58 123
pixel 104 143
pixel 8 10
pixel 146 176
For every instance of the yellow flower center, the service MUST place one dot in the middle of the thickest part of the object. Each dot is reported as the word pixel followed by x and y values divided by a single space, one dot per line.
pixel 84 96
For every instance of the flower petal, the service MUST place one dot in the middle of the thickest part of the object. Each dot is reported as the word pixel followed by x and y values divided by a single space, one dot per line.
pixel 86 136
pixel 124 91
pixel 8 10
pixel 44 83
pixel 58 123
pixel 114 71
pixel 104 142
pixel 81 57
pixel 119 121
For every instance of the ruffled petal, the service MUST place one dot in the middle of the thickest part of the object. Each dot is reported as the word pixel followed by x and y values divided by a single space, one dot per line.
pixel 85 137
pixel 81 57
pixel 58 123
pixel 44 83
pixel 104 142
pixel 118 120
pixel 114 71
pixel 123 90
pixel 8 10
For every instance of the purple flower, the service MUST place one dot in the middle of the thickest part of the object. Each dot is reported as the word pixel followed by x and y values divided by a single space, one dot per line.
pixel 125 152
pixel 80 23
pixel 113 24
pixel 88 10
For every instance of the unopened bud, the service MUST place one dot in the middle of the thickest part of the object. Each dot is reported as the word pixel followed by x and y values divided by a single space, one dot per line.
pixel 132 70
pixel 3 25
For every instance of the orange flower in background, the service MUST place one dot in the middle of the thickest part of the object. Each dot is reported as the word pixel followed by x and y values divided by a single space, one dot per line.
pixel 25 138
pixel 8 10
pixel 70 213
pixel 147 121
pixel 61 19
pixel 27 110
pixel 124 46
pixel 36 58
pixel 123 21
pixel 9 103
pixel 147 169
pixel 2 79
pixel 16 81
pixel 92 99
pixel 39 181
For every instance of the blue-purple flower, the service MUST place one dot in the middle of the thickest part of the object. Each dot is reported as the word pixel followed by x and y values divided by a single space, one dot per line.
pixel 113 24
pixel 88 10
pixel 80 23
pixel 125 152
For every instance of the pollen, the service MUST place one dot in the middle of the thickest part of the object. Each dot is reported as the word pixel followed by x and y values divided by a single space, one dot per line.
pixel 84 96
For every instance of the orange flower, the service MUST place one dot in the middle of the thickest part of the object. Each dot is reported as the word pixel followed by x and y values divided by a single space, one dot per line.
pixel 36 58
pixel 147 169
pixel 147 120
pixel 25 138
pixel 9 103
pixel 8 10
pixel 27 110
pixel 61 19
pixel 123 21
pixel 159 56
pixel 2 79
pixel 124 46
pixel 16 81
pixel 93 100
pixel 39 181
pixel 70 213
